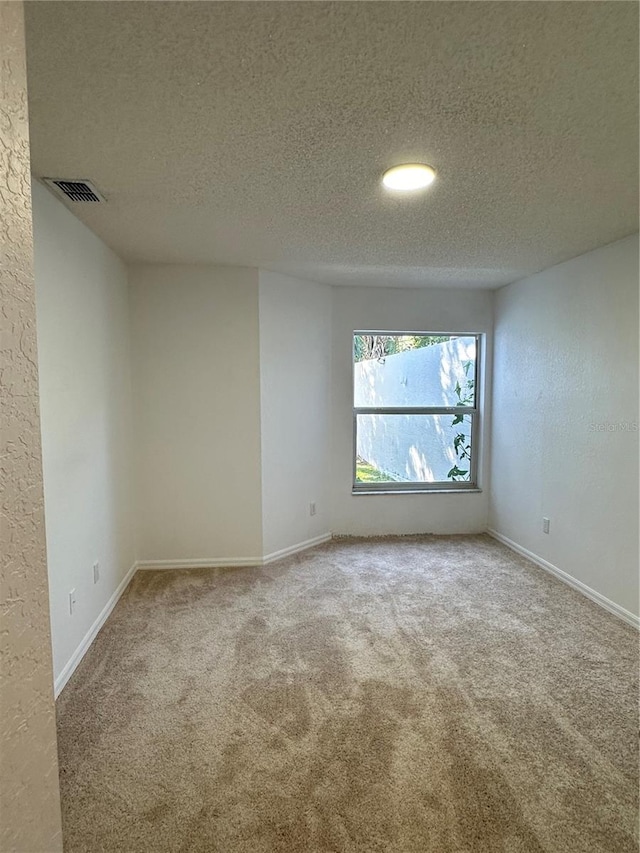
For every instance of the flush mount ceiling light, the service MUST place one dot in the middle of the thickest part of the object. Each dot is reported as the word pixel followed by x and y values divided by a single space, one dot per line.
pixel 408 177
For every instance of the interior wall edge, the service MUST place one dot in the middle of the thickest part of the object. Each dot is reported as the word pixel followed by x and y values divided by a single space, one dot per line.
pixel 29 784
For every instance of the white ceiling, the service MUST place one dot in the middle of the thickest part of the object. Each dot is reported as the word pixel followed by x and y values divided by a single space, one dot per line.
pixel 256 133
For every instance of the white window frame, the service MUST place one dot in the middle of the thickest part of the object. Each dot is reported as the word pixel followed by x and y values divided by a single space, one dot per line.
pixel 391 487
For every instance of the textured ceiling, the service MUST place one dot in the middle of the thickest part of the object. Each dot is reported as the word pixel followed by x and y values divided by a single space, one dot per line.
pixel 256 133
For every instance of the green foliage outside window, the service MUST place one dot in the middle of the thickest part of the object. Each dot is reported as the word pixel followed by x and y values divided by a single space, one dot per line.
pixel 462 441
pixel 378 346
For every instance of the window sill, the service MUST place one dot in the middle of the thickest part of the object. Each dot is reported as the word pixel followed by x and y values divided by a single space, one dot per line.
pixel 359 492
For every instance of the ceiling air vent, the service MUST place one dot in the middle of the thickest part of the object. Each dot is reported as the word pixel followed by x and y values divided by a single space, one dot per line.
pixel 76 190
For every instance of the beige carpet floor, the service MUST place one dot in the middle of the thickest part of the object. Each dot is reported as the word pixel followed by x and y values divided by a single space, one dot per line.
pixel 416 695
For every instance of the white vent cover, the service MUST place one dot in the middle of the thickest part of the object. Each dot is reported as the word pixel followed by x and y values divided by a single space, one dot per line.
pixel 75 189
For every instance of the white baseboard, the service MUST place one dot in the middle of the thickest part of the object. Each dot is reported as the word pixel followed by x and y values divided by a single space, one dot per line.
pixel 294 549
pixel 200 563
pixel 90 636
pixel 231 562
pixel 600 599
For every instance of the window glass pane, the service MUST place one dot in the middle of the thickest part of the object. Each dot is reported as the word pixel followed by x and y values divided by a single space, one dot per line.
pixel 413 370
pixel 413 448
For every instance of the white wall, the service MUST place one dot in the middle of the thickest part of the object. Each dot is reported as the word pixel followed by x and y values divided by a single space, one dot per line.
pixel 397 309
pixel 196 380
pixel 565 368
pixel 85 400
pixel 295 376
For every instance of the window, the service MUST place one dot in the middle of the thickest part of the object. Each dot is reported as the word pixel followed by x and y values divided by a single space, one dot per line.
pixel 415 411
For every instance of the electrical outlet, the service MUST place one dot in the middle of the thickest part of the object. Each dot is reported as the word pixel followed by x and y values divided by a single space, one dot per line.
pixel 545 525
pixel 96 572
pixel 72 602
pixel 312 509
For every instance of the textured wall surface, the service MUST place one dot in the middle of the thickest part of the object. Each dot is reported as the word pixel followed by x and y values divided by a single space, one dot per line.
pixel 565 416
pixel 29 798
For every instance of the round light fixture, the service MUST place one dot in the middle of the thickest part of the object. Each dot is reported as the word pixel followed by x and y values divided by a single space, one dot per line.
pixel 408 177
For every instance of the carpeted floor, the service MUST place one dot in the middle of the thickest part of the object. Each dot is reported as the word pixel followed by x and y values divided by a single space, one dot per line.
pixel 416 695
